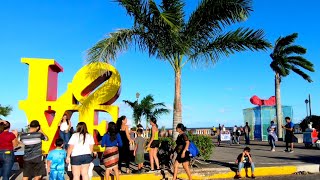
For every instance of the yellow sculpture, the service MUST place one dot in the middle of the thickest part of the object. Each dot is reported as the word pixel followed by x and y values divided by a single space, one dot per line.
pixel 93 89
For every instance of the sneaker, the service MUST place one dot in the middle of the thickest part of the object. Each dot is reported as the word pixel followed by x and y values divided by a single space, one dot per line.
pixel 291 151
pixel 253 177
pixel 286 150
pixel 273 150
pixel 237 177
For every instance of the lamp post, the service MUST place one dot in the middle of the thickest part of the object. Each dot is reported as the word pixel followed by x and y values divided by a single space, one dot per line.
pixel 306 101
pixel 137 96
pixel 310 105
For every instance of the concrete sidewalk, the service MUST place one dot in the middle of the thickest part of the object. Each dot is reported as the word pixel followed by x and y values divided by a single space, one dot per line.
pixel 222 163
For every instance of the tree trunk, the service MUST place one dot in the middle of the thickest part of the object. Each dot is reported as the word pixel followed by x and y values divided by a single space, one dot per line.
pixel 177 112
pixel 278 105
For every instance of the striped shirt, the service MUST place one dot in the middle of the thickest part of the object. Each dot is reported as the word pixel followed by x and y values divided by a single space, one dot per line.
pixel 33 145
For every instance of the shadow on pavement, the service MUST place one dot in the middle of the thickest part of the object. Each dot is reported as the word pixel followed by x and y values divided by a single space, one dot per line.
pixel 306 159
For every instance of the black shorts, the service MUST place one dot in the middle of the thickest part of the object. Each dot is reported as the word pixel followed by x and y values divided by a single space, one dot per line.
pixel 154 144
pixel 185 159
pixel 34 167
pixel 81 159
pixel 289 138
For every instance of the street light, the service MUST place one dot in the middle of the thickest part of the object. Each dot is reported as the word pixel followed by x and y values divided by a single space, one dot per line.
pixel 306 101
pixel 137 96
pixel 310 105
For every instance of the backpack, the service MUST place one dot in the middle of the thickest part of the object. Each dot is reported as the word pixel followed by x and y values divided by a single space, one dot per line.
pixel 194 151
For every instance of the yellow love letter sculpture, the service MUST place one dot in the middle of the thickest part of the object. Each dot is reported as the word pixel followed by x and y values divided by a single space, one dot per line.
pixel 93 89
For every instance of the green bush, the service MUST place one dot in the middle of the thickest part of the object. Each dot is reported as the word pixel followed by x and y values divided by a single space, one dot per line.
pixel 204 144
pixel 171 142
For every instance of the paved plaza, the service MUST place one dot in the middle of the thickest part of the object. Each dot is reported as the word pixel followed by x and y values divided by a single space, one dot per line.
pixel 225 155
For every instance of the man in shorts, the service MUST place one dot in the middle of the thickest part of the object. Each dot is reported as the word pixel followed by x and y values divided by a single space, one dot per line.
pixel 33 166
pixel 289 134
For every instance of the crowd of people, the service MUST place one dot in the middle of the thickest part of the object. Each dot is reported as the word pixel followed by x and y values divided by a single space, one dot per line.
pixel 235 133
pixel 76 149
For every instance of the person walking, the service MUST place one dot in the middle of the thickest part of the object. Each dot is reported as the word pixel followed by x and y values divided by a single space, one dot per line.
pixel 219 131
pixel 33 165
pixel 124 151
pixel 183 154
pixel 111 141
pixel 154 144
pixel 55 161
pixel 247 133
pixel 272 135
pixel 8 140
pixel 238 134
pixel 64 133
pixel 234 135
pixel 289 135
pixel 79 152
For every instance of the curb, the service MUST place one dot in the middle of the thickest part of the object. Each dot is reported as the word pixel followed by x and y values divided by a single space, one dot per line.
pixel 221 173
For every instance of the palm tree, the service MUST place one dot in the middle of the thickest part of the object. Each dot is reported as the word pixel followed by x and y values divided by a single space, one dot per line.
pixel 286 57
pixel 5 110
pixel 146 108
pixel 164 33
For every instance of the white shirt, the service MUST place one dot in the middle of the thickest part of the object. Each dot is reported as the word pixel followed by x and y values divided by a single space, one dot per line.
pixel 80 148
pixel 63 126
pixel 234 129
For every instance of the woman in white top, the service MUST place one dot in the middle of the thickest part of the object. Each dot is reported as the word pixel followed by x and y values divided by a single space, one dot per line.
pixel 65 127
pixel 79 151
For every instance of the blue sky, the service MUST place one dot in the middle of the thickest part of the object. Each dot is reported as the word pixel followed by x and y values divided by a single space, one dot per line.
pixel 64 30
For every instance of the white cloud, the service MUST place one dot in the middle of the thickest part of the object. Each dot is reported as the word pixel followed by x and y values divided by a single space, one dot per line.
pixel 224 110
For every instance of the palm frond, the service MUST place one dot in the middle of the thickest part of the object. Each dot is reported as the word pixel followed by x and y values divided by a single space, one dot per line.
pixel 300 60
pixel 138 9
pixel 130 103
pixel 159 104
pixel 284 41
pixel 231 42
pixel 173 14
pixel 157 112
pixel 108 48
pixel 302 74
pixel 294 49
pixel 212 16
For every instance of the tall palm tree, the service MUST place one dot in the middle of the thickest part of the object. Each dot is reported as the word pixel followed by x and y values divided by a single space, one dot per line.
pixel 286 57
pixel 164 32
pixel 5 110
pixel 146 108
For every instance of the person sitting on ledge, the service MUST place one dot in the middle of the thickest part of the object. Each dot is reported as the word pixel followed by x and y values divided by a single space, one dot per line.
pixel 244 160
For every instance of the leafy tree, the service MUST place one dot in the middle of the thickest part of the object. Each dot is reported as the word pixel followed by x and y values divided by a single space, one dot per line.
pixel 287 57
pixel 5 110
pixel 164 32
pixel 146 108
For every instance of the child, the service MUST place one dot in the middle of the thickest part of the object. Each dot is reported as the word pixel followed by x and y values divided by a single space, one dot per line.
pixel 55 161
pixel 244 160
pixel 139 150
